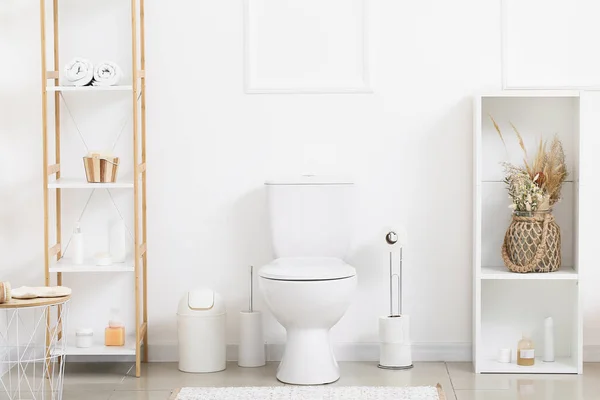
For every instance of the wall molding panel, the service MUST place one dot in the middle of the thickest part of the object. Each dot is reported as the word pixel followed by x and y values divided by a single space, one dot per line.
pixel 306 46
pixel 545 45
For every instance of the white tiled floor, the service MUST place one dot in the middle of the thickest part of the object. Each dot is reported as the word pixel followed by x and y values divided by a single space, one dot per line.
pixel 116 381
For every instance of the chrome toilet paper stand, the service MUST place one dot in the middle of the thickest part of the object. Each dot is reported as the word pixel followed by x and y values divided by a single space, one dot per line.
pixel 391 239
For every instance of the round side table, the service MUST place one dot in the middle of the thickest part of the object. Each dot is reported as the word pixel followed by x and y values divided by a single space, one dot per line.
pixel 32 348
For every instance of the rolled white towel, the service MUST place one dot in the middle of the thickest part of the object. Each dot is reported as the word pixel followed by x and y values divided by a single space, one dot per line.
pixel 107 73
pixel 79 72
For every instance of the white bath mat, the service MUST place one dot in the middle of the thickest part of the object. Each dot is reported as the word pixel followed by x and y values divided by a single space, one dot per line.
pixel 310 393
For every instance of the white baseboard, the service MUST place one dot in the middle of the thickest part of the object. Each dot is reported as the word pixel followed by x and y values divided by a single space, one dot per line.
pixel 167 352
pixel 451 352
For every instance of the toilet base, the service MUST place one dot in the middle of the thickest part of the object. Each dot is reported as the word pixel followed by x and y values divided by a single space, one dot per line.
pixel 308 358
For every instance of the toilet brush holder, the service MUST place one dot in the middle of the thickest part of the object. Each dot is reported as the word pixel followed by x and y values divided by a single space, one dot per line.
pixel 251 351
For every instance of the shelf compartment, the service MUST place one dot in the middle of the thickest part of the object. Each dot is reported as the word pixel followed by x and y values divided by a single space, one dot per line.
pixel 70 183
pixel 512 308
pixel 501 272
pixel 66 265
pixel 98 348
pixel 496 218
pixel 562 365
pixel 119 88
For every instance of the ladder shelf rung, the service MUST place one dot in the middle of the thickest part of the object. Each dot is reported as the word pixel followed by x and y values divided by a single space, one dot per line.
pixel 54 250
pixel 143 329
pixel 142 249
pixel 53 169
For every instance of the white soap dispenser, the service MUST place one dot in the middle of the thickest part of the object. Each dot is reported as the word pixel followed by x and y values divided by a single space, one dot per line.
pixel 77 243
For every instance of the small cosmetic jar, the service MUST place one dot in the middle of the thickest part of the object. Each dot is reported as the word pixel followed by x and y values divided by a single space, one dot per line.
pixel 84 338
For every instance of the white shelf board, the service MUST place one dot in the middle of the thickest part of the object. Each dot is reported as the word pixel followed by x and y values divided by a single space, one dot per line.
pixel 119 88
pixel 66 265
pixel 98 348
pixel 501 272
pixel 68 183
pixel 532 93
pixel 562 365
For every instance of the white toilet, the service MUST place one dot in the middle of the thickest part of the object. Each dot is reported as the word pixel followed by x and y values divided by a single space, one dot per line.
pixel 308 287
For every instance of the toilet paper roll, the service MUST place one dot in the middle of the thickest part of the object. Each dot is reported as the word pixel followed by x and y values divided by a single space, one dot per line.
pixel 251 352
pixel 398 234
pixel 394 329
pixel 395 355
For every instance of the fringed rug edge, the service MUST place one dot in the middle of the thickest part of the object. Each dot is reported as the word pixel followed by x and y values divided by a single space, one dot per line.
pixel 441 393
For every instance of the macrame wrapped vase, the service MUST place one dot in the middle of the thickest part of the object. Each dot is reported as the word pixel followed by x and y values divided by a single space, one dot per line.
pixel 532 243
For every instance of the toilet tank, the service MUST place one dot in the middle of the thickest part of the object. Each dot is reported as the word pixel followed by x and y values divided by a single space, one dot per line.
pixel 310 216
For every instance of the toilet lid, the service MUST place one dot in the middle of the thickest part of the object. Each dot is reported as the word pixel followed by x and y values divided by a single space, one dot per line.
pixel 307 269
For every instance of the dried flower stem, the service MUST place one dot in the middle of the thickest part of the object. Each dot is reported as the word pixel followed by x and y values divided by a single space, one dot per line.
pixel 536 185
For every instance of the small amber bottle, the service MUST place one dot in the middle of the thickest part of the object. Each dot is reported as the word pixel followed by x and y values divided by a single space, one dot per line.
pixel 525 352
pixel 114 334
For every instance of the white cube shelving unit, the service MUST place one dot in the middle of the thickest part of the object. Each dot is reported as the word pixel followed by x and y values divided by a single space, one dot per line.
pixel 508 304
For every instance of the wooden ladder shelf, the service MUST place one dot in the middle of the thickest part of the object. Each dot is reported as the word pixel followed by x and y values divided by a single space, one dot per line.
pixel 51 91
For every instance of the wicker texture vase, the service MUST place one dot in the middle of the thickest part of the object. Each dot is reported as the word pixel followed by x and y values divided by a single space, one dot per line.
pixel 532 243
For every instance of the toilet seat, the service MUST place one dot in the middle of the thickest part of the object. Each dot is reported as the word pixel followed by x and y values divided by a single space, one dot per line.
pixel 307 269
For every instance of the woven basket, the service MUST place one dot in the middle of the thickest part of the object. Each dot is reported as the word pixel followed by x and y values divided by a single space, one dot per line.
pixel 101 169
pixel 532 243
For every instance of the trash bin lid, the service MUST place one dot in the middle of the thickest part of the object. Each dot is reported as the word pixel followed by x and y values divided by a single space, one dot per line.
pixel 202 302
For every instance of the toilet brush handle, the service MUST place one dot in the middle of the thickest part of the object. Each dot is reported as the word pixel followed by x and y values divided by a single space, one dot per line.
pixel 251 288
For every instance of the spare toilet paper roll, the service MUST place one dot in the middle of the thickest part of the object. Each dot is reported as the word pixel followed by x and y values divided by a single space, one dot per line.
pixel 394 329
pixel 395 355
pixel 251 352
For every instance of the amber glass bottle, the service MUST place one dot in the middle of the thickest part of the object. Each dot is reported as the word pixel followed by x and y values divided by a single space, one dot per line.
pixel 525 352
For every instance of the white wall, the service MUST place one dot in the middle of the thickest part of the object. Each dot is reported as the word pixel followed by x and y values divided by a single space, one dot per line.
pixel 547 43
pixel 210 147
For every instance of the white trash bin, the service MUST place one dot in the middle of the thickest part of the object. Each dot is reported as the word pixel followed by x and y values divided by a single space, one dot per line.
pixel 201 332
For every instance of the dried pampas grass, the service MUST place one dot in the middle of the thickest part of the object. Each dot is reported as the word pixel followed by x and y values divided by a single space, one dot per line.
pixel 548 169
pixel 555 170
pixel 522 144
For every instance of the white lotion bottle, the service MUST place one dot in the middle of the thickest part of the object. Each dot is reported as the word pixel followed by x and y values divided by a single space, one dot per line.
pixel 548 340
pixel 117 242
pixel 77 243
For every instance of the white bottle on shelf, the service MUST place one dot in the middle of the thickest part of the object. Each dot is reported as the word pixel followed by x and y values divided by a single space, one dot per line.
pixel 77 243
pixel 117 241
pixel 548 340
